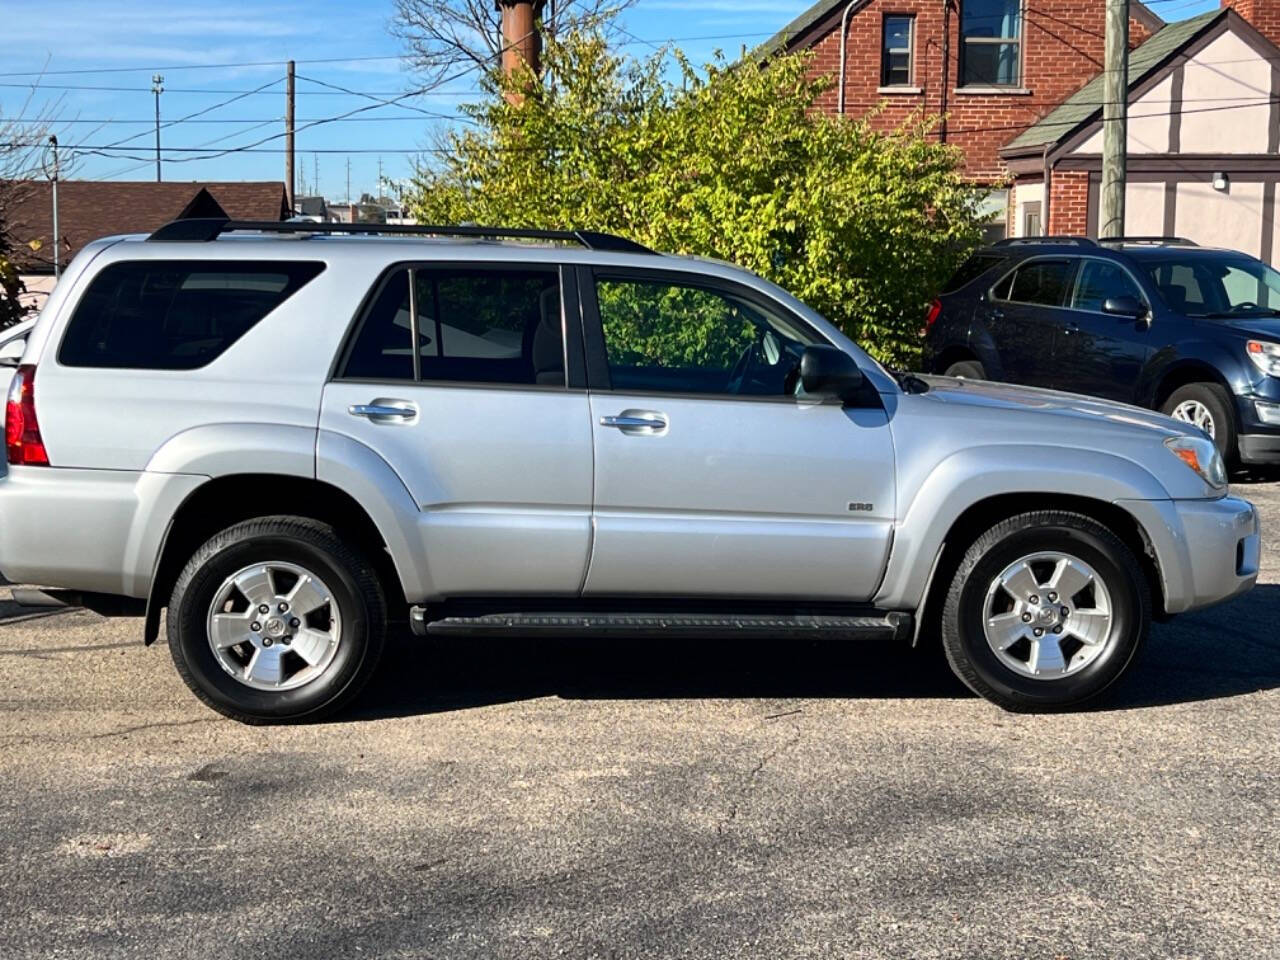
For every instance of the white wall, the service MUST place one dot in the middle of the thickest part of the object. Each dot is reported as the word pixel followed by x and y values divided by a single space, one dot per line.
pixel 1224 106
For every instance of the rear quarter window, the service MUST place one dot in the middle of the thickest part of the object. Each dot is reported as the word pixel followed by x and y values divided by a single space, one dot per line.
pixel 972 269
pixel 175 315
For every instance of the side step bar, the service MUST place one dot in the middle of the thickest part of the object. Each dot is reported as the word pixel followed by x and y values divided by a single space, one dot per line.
pixel 872 626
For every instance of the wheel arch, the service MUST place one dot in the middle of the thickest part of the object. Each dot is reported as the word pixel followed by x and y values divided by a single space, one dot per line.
pixel 1188 372
pixel 954 353
pixel 985 514
pixel 226 500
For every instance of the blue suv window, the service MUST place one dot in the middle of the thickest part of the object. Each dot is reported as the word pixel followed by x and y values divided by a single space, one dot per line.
pixel 1100 281
pixel 1041 282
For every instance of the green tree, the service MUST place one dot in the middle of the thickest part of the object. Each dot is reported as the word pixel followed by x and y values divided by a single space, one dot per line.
pixel 734 162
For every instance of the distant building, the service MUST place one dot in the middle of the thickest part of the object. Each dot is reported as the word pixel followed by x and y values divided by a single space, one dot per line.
pixel 89 209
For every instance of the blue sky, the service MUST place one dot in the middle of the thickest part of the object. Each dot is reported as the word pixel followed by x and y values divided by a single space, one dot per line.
pixel 118 44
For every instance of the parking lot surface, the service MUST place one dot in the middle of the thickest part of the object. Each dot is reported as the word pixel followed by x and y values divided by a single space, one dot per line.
pixel 645 800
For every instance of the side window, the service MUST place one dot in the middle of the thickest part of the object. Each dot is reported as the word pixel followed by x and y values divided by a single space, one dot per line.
pixel 175 315
pixel 1179 287
pixel 972 269
pixel 473 326
pixel 1042 282
pixel 1099 281
pixel 668 336
pixel 383 347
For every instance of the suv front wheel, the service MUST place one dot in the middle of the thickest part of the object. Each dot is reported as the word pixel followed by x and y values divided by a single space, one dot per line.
pixel 1046 610
pixel 1208 407
pixel 276 620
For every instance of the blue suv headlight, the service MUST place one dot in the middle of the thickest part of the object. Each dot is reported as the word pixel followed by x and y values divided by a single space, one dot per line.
pixel 1265 356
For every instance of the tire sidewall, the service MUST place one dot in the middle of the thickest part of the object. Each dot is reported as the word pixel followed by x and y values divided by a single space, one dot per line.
pixel 1127 627
pixel 194 595
pixel 1213 397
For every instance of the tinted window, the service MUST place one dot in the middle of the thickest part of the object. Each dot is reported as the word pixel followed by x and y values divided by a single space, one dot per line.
pixel 895 64
pixel 991 35
pixel 174 315
pixel 971 269
pixel 474 325
pixel 383 348
pixel 671 337
pixel 1043 282
pixel 1099 281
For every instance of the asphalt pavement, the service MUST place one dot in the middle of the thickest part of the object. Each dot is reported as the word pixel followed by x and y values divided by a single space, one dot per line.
pixel 645 800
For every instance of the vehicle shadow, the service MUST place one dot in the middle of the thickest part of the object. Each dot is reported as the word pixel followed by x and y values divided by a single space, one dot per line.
pixel 1247 476
pixel 1227 651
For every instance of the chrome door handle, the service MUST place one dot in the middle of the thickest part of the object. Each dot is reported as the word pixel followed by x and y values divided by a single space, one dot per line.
pixel 634 423
pixel 384 410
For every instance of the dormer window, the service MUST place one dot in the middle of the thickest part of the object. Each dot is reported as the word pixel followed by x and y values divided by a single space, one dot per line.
pixel 991 43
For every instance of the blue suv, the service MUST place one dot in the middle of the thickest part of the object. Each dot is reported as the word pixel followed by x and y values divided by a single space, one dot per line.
pixel 1157 322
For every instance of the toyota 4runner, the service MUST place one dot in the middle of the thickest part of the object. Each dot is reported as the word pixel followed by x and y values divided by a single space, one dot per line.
pixel 289 438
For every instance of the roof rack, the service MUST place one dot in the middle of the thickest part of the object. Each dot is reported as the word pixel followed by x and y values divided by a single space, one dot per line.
pixel 1165 241
pixel 1027 241
pixel 204 230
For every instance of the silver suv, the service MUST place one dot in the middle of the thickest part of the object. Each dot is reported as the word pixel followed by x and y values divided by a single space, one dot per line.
pixel 291 438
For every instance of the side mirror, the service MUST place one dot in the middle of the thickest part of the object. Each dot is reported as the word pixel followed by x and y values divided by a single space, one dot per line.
pixel 829 373
pixel 1130 308
pixel 11 352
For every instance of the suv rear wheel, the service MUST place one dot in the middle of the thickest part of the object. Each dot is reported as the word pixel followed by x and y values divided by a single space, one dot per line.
pixel 1207 406
pixel 1046 610
pixel 969 369
pixel 276 620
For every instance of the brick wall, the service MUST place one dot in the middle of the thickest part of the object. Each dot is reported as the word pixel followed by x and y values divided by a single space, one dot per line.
pixel 1069 203
pixel 1263 14
pixel 1062 50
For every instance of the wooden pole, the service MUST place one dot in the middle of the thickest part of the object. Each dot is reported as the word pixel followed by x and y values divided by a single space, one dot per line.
pixel 1115 116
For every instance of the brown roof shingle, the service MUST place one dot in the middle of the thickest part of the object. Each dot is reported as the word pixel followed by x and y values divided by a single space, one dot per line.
pixel 90 209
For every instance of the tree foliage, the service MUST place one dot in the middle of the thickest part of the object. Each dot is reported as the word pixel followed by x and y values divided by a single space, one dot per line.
pixel 734 162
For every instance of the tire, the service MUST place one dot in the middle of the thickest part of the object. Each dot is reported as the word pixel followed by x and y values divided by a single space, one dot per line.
pixel 1217 402
pixel 343 636
pixel 1088 668
pixel 969 369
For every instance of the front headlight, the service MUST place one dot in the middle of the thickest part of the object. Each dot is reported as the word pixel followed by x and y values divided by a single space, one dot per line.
pixel 1265 356
pixel 1202 456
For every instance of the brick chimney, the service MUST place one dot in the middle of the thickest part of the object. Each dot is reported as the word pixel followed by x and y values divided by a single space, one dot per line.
pixel 521 40
pixel 1263 14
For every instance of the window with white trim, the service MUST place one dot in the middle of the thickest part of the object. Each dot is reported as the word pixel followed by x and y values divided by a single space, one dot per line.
pixel 895 59
pixel 991 43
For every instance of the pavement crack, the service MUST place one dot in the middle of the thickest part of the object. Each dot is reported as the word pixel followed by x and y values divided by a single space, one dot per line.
pixel 750 778
pixel 151 726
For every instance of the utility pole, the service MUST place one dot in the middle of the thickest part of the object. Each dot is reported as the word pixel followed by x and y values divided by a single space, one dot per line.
pixel 348 179
pixel 288 138
pixel 57 247
pixel 1115 119
pixel 157 87
pixel 377 194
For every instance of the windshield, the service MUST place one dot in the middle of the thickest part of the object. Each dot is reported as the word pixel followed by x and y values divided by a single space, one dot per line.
pixel 1237 286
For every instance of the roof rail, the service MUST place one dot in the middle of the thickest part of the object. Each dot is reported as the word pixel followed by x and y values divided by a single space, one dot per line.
pixel 1020 241
pixel 205 230
pixel 1167 241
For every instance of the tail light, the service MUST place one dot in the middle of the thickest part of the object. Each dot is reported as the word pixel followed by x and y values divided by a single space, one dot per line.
pixel 21 430
pixel 931 317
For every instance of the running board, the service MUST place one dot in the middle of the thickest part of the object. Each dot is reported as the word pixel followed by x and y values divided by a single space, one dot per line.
pixel 872 626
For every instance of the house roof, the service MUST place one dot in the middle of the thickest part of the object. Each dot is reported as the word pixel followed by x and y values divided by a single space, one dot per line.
pixel 823 9
pixel 90 209
pixel 1085 105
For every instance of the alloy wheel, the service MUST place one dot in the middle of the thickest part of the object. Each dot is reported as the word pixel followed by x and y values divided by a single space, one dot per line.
pixel 1047 616
pixel 274 626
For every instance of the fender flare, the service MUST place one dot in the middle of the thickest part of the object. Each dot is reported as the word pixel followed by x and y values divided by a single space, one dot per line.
pixel 969 477
pixel 218 451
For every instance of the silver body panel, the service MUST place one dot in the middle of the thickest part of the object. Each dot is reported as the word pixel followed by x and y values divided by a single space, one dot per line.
pixel 523 492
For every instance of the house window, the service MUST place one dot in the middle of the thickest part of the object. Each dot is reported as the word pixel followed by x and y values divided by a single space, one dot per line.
pixel 991 42
pixel 895 60
pixel 1031 226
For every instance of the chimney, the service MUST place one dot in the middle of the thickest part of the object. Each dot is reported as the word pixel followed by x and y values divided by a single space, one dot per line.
pixel 521 41
pixel 1263 14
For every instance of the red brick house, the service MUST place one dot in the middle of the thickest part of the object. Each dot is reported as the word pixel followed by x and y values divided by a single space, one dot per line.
pixel 996 69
